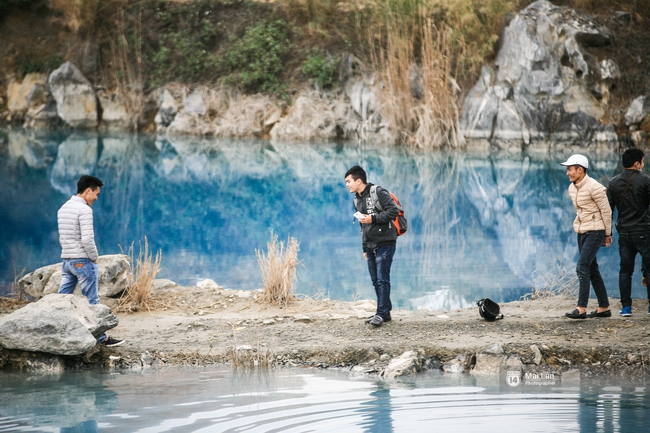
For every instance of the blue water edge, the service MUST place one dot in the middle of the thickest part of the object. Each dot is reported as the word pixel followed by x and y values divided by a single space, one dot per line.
pixel 480 226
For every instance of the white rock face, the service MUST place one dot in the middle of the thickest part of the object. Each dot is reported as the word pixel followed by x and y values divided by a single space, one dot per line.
pixel 544 85
pixel 56 324
pixel 76 102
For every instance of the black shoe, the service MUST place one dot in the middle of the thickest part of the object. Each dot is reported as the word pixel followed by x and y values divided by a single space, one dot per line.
pixel 576 314
pixel 112 342
pixel 595 313
pixel 376 321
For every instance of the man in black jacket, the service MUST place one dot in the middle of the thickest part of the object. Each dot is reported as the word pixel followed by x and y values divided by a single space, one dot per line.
pixel 378 236
pixel 629 193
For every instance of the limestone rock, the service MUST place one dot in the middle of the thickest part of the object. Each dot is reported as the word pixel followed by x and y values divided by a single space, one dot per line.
pixel 115 116
pixel 167 109
pixel 248 117
pixel 208 284
pixel 19 92
pixel 113 274
pixel 537 354
pixel 311 117
pixel 76 102
pixel 57 324
pixel 544 86
pixel 638 111
pixel 404 365
pixel 454 366
pixel 190 120
pixel 490 360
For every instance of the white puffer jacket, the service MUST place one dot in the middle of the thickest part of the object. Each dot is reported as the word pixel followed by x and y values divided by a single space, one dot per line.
pixel 76 232
pixel 592 206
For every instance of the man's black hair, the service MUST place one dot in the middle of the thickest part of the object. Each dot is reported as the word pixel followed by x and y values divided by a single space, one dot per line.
pixel 357 173
pixel 631 156
pixel 86 182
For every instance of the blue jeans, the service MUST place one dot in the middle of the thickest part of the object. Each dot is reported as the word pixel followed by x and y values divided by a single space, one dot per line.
pixel 86 273
pixel 379 261
pixel 629 244
pixel 587 269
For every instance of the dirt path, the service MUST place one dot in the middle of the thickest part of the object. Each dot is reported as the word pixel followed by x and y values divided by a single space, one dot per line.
pixel 202 326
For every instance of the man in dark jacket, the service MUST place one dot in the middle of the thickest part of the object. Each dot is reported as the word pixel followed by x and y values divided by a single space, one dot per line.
pixel 378 235
pixel 629 193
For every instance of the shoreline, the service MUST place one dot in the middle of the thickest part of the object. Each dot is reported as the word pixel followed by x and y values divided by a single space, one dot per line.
pixel 207 326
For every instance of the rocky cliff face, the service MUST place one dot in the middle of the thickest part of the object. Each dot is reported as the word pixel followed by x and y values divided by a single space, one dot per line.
pixel 544 85
pixel 552 82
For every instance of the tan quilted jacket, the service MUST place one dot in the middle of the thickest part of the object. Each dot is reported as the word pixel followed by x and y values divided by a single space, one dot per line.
pixel 593 212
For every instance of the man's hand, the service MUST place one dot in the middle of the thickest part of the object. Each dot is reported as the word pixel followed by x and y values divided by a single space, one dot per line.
pixel 608 241
pixel 365 219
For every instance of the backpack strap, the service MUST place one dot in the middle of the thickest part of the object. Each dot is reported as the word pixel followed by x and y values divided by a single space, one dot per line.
pixel 375 198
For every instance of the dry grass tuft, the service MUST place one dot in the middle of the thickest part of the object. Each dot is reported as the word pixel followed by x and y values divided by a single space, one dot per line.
pixel 278 268
pixel 142 273
pixel 549 285
pixel 250 357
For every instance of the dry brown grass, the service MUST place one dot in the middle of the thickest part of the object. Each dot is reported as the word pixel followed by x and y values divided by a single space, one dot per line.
pixel 419 97
pixel 279 269
pixel 549 285
pixel 249 356
pixel 127 68
pixel 142 273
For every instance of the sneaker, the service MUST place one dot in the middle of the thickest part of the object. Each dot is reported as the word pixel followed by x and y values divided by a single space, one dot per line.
pixel 388 319
pixel 648 309
pixel 376 321
pixel 112 342
pixel 626 311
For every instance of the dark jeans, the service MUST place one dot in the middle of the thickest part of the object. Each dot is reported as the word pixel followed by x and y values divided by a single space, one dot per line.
pixel 629 244
pixel 379 262
pixel 587 269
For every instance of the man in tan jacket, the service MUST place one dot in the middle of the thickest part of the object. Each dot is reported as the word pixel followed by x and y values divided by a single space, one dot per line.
pixel 593 224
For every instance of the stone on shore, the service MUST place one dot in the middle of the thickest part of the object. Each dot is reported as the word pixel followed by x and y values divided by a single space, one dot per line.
pixel 56 324
pixel 490 360
pixel 113 275
pixel 408 363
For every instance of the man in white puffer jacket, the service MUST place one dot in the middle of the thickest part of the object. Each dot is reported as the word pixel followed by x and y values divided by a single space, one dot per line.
pixel 79 252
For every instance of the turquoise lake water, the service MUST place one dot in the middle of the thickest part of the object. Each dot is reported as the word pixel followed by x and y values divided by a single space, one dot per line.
pixel 310 400
pixel 481 224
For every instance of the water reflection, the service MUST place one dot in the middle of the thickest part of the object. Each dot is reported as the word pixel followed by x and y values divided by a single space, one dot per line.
pixel 480 224
pixel 300 400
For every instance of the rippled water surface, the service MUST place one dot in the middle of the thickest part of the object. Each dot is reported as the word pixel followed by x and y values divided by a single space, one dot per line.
pixel 308 400
pixel 481 224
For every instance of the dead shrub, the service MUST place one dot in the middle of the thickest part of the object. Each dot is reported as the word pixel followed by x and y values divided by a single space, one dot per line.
pixel 549 285
pixel 142 273
pixel 279 269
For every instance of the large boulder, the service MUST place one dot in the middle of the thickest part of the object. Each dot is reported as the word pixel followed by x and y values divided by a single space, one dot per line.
pixel 191 119
pixel 57 324
pixel 76 102
pixel 113 277
pixel 544 86
pixel 248 117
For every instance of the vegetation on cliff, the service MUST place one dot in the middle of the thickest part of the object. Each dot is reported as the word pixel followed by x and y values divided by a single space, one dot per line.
pixel 279 48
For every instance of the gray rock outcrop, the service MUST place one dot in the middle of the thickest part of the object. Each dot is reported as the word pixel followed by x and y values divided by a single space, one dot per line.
pixel 113 275
pixel 544 85
pixel 56 324
pixel 76 102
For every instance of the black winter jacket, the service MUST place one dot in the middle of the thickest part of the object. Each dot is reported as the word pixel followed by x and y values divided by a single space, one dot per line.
pixel 633 213
pixel 382 230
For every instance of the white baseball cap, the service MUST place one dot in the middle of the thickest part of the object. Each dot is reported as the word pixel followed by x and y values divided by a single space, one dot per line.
pixel 576 159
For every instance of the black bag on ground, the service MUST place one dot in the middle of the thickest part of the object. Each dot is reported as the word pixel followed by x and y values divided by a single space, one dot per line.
pixel 489 310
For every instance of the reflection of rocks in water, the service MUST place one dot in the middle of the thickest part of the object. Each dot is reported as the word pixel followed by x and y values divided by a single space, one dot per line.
pixel 23 147
pixel 444 299
pixel 63 400
pixel 77 155
pixel 528 209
